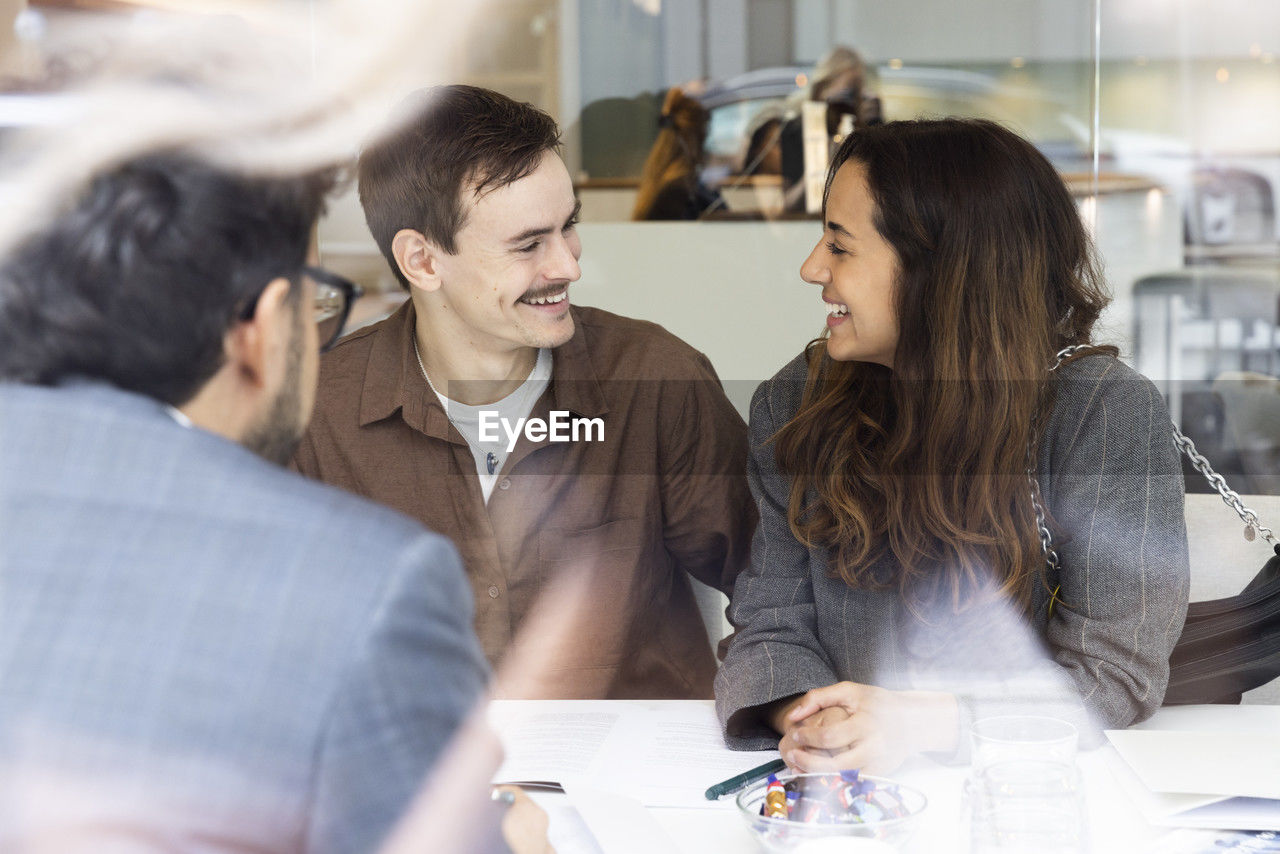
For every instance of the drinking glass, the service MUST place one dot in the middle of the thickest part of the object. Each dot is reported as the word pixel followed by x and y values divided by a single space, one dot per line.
pixel 1024 795
pixel 1022 738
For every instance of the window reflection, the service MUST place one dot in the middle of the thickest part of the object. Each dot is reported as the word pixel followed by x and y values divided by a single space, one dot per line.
pixel 1162 118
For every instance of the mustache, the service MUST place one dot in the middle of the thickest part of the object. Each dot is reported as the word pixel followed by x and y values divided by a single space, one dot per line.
pixel 547 291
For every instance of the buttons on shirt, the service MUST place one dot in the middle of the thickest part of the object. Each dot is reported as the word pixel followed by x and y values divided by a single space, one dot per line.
pixel 505 483
pixel 494 592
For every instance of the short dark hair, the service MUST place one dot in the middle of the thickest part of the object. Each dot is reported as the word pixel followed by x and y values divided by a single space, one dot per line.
pixel 440 141
pixel 137 280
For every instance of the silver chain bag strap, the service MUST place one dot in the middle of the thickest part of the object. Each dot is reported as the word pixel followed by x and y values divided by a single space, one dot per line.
pixel 1229 496
pixel 1227 646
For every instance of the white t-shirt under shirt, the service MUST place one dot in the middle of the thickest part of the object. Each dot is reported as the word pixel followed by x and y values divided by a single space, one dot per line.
pixel 490 456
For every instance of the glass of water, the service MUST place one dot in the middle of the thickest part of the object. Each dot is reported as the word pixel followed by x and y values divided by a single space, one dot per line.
pixel 1024 794
pixel 1022 738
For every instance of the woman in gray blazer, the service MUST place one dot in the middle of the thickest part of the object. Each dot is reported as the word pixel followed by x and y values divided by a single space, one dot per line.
pixel 900 587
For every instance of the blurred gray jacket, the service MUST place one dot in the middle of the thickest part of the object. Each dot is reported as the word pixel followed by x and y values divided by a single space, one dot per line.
pixel 200 651
pixel 1110 476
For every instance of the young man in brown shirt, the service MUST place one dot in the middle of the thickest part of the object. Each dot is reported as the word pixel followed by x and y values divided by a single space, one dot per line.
pixel 629 461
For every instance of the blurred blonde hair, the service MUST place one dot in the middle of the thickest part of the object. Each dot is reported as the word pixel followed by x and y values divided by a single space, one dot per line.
pixel 676 153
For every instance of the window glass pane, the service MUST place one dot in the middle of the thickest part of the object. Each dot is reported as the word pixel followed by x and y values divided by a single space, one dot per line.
pixel 1191 102
pixel 1161 116
pixel 749 60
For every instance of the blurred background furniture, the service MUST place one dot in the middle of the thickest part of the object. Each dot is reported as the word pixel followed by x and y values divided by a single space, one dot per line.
pixel 1197 332
pixel 1251 425
pixel 1223 562
pixel 1230 215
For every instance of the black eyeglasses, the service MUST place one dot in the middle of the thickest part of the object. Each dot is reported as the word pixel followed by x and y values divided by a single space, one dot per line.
pixel 334 297
pixel 333 300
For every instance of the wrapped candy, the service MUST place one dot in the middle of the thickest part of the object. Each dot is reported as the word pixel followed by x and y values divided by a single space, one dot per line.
pixel 842 798
pixel 775 798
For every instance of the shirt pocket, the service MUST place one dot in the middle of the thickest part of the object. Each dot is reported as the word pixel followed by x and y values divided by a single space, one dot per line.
pixel 558 545
pixel 610 556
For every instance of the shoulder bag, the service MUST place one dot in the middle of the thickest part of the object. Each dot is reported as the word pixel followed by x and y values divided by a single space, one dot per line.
pixel 1227 646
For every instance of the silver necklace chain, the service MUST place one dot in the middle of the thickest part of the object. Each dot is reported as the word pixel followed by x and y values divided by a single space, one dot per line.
pixel 425 375
pixel 492 461
pixel 1229 496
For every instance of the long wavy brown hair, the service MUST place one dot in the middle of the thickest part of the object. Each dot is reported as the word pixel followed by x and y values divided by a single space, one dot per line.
pixel 677 152
pixel 928 460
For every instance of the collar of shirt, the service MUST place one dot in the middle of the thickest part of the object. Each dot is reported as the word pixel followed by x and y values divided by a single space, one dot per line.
pixel 179 416
pixel 393 380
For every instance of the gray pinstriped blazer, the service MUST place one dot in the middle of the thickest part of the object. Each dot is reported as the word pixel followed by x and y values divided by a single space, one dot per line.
pixel 1109 475
pixel 200 651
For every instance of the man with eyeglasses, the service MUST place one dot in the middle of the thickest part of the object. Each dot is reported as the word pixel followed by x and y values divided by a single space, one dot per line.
pixel 448 410
pixel 200 650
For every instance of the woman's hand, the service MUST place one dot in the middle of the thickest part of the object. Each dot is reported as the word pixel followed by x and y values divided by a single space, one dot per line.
pixel 848 725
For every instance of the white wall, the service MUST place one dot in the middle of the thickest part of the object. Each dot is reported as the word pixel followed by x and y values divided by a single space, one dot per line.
pixel 997 30
pixel 727 39
pixel 682 43
pixel 11 54
pixel 1189 29
pixel 644 53
pixel 732 290
pixel 933 31
pixel 813 29
pixel 619 50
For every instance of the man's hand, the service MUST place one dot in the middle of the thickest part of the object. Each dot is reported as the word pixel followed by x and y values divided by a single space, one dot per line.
pixel 848 725
pixel 524 827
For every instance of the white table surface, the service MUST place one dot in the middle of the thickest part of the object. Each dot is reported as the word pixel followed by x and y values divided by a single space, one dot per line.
pixel 1114 824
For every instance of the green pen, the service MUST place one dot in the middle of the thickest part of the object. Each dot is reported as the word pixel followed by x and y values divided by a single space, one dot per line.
pixel 746 778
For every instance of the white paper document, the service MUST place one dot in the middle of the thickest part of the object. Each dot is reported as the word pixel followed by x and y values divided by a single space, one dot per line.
pixel 1159 809
pixel 546 741
pixel 1231 764
pixel 567 831
pixel 620 825
pixel 1193 766
pixel 661 753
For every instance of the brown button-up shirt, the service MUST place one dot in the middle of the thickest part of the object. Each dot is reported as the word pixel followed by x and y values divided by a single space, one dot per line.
pixel 663 494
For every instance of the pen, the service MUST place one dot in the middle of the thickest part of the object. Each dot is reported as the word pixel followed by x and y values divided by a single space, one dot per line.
pixel 746 778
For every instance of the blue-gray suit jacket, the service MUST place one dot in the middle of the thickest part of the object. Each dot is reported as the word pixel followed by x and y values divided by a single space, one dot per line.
pixel 200 651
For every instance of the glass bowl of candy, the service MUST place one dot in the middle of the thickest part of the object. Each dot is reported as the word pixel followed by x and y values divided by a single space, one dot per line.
pixel 787 811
